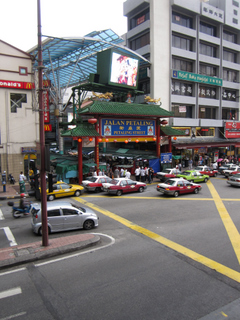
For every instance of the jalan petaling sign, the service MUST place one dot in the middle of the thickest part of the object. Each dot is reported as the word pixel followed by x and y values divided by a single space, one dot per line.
pixel 188 76
pixel 127 127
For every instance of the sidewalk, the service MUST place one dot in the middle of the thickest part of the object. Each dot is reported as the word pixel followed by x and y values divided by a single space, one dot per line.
pixel 17 255
pixel 12 191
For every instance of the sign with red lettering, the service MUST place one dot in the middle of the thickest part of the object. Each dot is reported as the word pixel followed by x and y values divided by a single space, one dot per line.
pixel 140 20
pixel 232 129
pixel 17 84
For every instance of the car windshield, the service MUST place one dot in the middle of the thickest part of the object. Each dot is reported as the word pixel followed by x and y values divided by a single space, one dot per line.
pixel 114 181
pixel 185 173
pixel 170 182
pixel 166 170
pixel 92 179
pixel 199 168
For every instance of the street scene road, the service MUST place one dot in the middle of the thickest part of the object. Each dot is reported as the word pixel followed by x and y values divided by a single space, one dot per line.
pixel 160 258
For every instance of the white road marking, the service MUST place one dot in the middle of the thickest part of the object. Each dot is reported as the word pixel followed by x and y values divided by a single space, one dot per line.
pixel 14 316
pixel 79 253
pixel 10 236
pixel 1 215
pixel 12 271
pixel 10 292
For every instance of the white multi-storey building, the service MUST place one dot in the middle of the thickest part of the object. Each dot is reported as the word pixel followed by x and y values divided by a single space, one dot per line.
pixel 193 47
pixel 19 122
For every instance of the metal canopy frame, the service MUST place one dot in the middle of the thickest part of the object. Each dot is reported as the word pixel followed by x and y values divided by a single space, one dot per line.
pixel 69 61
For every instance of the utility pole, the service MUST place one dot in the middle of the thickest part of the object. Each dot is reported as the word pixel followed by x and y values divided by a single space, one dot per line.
pixel 42 136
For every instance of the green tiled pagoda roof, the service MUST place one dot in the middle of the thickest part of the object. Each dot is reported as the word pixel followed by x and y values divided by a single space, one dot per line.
pixel 126 109
pixel 169 131
pixel 82 130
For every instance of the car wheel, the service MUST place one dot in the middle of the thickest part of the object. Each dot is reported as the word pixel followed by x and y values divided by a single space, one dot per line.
pixel 206 180
pixel 88 224
pixel 196 190
pixel 40 231
pixel 176 194
pixel 51 197
pixel 119 193
pixel 215 174
pixel 98 189
pixel 77 193
pixel 140 189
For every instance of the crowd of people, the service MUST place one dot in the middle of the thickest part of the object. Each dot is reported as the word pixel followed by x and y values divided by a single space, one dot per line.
pixel 143 174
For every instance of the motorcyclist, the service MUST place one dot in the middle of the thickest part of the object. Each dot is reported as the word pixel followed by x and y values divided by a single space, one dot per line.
pixel 23 203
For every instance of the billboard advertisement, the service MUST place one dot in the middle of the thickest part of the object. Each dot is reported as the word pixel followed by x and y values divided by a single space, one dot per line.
pixel 232 129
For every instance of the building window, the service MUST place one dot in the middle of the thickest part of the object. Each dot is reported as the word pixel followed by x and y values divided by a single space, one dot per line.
pixel 229 114
pixel 140 41
pixel 182 43
pixel 229 56
pixel 144 86
pixel 182 65
pixel 16 100
pixel 208 50
pixel 230 75
pixel 23 71
pixel 182 88
pixel 182 20
pixel 207 92
pixel 139 18
pixel 208 29
pixel 208 70
pixel 229 95
pixel 235 3
pixel 207 113
pixel 235 21
pixel 182 111
pixel 229 36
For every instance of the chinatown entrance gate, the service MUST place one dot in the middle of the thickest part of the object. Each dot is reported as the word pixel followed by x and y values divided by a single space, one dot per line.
pixel 103 121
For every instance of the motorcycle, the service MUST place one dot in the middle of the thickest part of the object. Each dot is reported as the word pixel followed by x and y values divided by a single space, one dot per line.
pixel 17 212
pixel 11 179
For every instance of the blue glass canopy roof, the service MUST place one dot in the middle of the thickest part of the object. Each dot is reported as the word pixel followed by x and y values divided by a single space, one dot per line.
pixel 69 61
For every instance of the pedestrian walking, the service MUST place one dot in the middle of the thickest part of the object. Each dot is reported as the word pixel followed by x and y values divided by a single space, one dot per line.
pixel 143 175
pixel 116 173
pixel 137 173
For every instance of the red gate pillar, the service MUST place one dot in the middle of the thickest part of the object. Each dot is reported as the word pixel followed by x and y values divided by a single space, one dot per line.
pixel 169 144
pixel 80 173
pixel 158 146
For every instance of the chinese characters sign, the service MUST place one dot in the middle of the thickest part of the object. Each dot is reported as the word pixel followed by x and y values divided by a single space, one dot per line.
pixel 127 127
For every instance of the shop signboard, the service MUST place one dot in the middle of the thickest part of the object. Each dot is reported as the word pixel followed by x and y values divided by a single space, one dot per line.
pixel 17 84
pixel 166 157
pixel 128 127
pixel 232 129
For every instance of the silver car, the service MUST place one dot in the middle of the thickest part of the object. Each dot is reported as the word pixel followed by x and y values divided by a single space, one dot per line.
pixel 63 216
pixel 234 180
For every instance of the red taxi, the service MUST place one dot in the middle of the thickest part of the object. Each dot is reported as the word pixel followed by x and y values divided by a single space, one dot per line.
pixel 207 170
pixel 94 183
pixel 176 186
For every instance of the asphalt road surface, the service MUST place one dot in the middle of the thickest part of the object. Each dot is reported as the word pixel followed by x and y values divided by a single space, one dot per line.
pixel 160 258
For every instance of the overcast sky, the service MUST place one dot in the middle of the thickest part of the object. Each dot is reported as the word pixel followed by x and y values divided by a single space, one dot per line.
pixel 70 18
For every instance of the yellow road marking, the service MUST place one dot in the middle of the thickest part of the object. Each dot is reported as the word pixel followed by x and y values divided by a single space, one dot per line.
pixel 232 274
pixel 230 227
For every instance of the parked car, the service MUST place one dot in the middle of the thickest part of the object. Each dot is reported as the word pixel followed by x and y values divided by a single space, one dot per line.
pixel 63 216
pixel 176 186
pixel 207 170
pixel 167 173
pixel 62 189
pixel 232 173
pixel 193 176
pixel 234 180
pixel 119 186
pixel 94 183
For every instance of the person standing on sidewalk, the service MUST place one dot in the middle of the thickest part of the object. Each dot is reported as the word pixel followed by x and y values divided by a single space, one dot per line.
pixel 137 173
